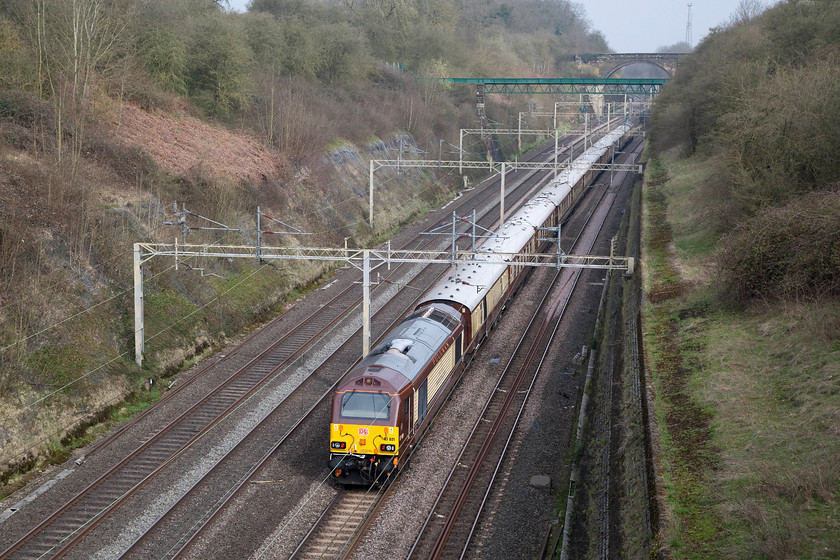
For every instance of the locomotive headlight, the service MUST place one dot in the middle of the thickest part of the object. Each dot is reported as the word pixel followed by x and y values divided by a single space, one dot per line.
pixel 387 447
pixel 338 444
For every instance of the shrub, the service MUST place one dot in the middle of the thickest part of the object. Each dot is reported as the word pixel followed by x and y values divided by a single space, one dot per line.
pixel 164 55
pixel 791 252
pixel 782 138
pixel 218 67
pixel 15 65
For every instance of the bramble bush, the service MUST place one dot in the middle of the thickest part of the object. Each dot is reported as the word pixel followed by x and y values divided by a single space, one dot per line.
pixel 789 252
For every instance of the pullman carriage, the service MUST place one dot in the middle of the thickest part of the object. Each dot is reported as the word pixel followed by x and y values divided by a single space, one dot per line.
pixel 391 395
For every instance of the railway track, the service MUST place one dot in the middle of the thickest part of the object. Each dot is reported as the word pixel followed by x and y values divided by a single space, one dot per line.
pixel 451 524
pixel 342 542
pixel 339 526
pixel 164 539
pixel 66 526
pixel 178 526
pixel 603 523
pixel 69 524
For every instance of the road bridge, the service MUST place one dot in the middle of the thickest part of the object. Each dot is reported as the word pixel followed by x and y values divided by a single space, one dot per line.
pixel 607 64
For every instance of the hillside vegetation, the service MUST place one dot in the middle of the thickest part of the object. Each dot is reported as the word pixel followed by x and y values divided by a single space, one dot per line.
pixel 742 226
pixel 113 110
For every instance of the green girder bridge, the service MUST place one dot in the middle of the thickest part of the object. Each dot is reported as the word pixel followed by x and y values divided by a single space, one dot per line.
pixel 630 86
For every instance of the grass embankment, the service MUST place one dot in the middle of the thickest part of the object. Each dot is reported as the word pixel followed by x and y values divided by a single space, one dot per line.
pixel 747 401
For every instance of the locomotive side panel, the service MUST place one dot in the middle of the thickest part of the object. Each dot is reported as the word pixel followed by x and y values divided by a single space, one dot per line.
pixel 404 416
pixel 421 402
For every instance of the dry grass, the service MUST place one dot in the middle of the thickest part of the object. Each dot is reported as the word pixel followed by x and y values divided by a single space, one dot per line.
pixel 183 145
pixel 776 397
pixel 27 429
pixel 766 482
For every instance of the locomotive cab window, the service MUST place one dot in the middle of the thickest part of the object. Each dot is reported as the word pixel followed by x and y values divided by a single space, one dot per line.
pixel 366 406
pixel 434 315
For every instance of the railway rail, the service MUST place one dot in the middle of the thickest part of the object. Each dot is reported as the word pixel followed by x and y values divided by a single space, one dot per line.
pixel 70 523
pixel 212 491
pixel 506 396
pixel 335 532
pixel 451 524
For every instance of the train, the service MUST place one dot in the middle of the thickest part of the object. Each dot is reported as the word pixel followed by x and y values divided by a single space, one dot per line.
pixel 388 399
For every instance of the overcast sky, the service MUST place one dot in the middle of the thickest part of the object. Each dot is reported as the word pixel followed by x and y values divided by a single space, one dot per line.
pixel 644 25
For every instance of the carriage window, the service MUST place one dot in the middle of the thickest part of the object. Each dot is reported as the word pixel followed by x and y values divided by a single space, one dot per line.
pixel 366 406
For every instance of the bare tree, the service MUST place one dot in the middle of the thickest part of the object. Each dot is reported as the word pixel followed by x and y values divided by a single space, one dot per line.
pixel 747 11
pixel 76 40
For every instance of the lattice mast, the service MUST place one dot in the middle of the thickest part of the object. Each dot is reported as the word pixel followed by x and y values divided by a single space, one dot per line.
pixel 688 37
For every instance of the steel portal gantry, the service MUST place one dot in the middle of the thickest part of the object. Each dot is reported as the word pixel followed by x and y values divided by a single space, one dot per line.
pixel 500 167
pixel 359 258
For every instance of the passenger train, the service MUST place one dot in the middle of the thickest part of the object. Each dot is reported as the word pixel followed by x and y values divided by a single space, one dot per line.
pixel 390 396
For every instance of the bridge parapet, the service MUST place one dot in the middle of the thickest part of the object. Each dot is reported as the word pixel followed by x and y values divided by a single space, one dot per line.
pixel 606 64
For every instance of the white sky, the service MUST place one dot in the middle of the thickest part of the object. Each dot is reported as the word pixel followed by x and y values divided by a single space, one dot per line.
pixel 644 25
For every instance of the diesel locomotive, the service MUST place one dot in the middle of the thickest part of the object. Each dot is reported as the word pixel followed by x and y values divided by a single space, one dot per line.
pixel 390 396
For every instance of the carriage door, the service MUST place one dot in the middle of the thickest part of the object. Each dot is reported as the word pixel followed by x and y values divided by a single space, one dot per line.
pixel 422 404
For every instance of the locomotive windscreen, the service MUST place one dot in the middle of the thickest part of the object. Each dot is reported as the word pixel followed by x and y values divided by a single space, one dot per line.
pixel 366 406
pixel 433 314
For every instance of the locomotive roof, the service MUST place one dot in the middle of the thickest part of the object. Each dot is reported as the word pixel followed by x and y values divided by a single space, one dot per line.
pixel 409 346
pixel 467 283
